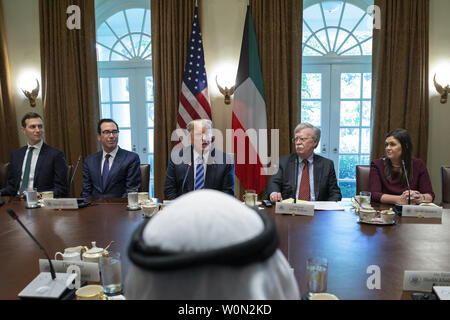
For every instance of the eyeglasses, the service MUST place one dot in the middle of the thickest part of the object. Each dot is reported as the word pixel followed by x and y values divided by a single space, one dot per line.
pixel 296 139
pixel 107 132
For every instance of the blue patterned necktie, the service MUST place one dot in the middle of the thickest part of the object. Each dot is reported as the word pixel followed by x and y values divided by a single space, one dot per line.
pixel 105 170
pixel 199 175
pixel 26 171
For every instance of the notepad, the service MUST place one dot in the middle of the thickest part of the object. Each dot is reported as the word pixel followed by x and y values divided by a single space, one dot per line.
pixel 442 292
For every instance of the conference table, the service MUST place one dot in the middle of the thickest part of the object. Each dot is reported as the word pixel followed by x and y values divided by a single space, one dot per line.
pixel 350 247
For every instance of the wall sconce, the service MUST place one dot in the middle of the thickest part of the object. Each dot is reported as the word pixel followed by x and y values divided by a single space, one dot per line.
pixel 32 95
pixel 442 91
pixel 226 92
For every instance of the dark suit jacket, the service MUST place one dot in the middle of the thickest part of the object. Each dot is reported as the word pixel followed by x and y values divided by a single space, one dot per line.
pixel 124 174
pixel 50 173
pixel 180 177
pixel 325 182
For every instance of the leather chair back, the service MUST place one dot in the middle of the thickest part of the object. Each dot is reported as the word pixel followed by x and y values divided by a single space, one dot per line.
pixel 362 178
pixel 145 178
pixel 445 184
pixel 3 174
pixel 69 185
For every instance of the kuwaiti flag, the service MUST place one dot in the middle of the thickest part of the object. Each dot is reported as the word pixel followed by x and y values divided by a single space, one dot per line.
pixel 194 97
pixel 249 111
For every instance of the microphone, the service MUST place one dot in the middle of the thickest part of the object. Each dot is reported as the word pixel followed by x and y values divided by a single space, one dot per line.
pixel 15 217
pixel 185 176
pixel 407 181
pixel 41 286
pixel 73 174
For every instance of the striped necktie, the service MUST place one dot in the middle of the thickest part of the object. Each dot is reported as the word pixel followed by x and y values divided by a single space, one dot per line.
pixel 199 175
pixel 105 170
pixel 26 172
pixel 304 193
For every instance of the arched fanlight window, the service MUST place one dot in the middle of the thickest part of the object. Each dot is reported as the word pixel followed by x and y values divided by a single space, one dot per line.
pixel 125 36
pixel 336 28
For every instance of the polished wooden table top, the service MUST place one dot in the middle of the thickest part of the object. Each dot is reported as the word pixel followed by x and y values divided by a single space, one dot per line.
pixel 411 244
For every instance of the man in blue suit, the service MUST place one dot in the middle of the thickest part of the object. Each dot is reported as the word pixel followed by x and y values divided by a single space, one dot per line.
pixel 110 173
pixel 36 165
pixel 199 166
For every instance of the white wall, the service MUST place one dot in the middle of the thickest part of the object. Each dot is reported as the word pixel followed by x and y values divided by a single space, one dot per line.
pixel 439 123
pixel 22 33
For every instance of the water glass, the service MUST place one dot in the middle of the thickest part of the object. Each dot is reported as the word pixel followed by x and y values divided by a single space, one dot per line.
pixel 364 197
pixel 32 199
pixel 316 274
pixel 250 198
pixel 111 269
pixel 133 199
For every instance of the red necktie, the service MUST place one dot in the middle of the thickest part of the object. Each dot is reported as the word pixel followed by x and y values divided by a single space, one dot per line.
pixel 304 192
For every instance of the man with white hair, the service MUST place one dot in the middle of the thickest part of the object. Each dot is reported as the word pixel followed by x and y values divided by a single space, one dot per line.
pixel 304 175
pixel 208 245
pixel 199 165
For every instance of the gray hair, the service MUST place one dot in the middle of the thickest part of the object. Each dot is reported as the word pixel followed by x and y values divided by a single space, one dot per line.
pixel 304 125
pixel 203 122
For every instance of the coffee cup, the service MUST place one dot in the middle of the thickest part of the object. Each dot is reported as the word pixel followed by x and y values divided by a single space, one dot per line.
pixel 367 214
pixel 150 209
pixel 68 256
pixel 388 216
pixel 91 292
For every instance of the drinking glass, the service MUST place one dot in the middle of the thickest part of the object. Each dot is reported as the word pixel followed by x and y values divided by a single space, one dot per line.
pixel 31 195
pixel 316 274
pixel 133 199
pixel 111 269
pixel 364 196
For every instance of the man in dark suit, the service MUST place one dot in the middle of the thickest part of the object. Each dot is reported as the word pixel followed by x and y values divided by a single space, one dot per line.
pixel 303 175
pixel 36 165
pixel 110 173
pixel 199 166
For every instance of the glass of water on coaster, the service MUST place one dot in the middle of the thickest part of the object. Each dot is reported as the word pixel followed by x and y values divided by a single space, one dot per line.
pixel 316 274
pixel 133 199
pixel 364 197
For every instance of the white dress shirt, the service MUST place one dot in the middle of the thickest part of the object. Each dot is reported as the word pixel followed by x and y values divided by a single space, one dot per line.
pixel 111 159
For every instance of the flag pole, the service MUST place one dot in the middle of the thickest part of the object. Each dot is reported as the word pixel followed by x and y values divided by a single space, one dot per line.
pixel 196 3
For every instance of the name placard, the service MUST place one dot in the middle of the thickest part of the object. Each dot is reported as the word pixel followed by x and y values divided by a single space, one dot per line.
pixel 302 209
pixel 424 280
pixel 89 270
pixel 67 203
pixel 421 211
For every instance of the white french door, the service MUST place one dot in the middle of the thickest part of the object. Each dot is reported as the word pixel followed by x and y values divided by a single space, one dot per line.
pixel 337 99
pixel 126 96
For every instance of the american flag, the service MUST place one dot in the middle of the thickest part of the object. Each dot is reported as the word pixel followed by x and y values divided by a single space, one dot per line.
pixel 194 98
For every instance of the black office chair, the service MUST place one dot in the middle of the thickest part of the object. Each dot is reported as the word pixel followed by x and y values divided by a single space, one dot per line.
pixel 3 174
pixel 145 178
pixel 445 186
pixel 362 178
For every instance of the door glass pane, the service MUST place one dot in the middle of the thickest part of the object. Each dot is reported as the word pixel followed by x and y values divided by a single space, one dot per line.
pixel 150 115
pixel 349 140
pixel 366 111
pixel 121 114
pixel 150 140
pixel 367 85
pixel 106 110
pixel 120 89
pixel 365 140
pixel 311 112
pixel 350 111
pixel 125 139
pixel 347 165
pixel 348 188
pixel 350 85
pixel 311 86
pixel 104 89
